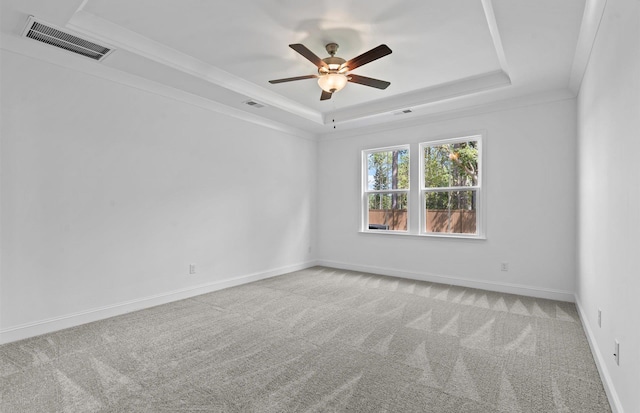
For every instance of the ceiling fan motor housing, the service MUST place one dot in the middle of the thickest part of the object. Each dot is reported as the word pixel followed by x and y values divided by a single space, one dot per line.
pixel 334 65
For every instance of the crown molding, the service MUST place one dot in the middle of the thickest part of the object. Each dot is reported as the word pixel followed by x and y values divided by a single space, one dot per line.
pixel 466 111
pixel 487 5
pixel 430 95
pixel 591 18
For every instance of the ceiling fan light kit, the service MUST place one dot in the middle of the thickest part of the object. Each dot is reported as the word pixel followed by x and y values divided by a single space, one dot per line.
pixel 333 72
pixel 332 82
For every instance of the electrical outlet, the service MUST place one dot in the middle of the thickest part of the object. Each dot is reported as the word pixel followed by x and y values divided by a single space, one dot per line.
pixel 504 266
pixel 616 352
pixel 599 317
pixel 192 268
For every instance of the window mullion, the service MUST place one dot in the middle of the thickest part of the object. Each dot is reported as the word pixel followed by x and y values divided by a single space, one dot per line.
pixel 386 191
pixel 451 188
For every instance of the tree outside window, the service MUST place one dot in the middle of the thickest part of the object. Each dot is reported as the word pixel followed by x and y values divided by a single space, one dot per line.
pixel 387 188
pixel 451 186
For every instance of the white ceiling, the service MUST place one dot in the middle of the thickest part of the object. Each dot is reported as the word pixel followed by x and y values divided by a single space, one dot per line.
pixel 447 54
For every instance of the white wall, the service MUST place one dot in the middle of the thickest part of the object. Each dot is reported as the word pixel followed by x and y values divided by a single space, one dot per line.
pixel 110 192
pixel 529 177
pixel 609 201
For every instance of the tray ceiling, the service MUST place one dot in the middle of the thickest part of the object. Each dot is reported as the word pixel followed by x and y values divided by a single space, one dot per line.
pixel 444 51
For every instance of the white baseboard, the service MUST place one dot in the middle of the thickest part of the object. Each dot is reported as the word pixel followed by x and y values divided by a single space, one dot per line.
pixel 463 282
pixel 612 395
pixel 71 320
pixel 94 314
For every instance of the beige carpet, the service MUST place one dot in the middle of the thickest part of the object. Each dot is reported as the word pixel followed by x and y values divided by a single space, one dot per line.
pixel 318 340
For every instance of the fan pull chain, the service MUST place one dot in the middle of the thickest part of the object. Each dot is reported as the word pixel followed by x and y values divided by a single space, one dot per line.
pixel 334 114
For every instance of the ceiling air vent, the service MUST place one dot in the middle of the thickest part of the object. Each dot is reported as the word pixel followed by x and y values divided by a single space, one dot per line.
pixel 254 104
pixel 46 33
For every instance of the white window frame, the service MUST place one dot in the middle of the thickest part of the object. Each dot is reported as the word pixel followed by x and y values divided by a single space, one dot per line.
pixel 366 191
pixel 477 188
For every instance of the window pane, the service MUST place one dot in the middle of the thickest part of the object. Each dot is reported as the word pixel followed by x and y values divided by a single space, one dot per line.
pixel 388 170
pixel 388 212
pixel 452 212
pixel 452 164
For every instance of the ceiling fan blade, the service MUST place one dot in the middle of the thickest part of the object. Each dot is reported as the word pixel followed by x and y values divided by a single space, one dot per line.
pixel 325 95
pixel 367 57
pixel 308 54
pixel 291 79
pixel 368 81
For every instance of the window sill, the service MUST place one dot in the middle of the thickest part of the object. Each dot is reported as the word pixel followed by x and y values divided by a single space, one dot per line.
pixel 408 234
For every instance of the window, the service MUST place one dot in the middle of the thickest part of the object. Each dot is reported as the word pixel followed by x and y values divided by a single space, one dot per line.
pixel 447 201
pixel 386 189
pixel 450 190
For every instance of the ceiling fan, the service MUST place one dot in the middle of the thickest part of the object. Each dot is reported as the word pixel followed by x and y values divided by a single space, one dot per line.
pixel 334 72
